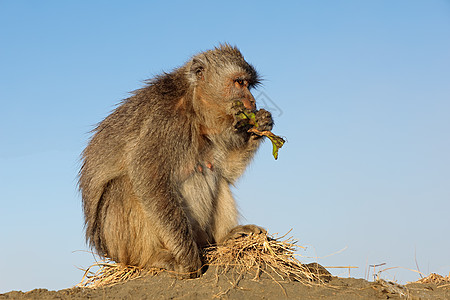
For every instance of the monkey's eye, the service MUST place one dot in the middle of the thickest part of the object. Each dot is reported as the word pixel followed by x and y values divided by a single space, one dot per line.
pixel 241 82
pixel 199 73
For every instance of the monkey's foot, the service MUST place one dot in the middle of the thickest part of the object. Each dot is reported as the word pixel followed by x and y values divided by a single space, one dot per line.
pixel 187 267
pixel 243 230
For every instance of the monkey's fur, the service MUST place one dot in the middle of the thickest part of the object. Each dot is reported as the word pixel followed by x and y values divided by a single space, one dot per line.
pixel 155 176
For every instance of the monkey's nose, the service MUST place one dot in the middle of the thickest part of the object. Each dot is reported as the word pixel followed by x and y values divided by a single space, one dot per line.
pixel 249 104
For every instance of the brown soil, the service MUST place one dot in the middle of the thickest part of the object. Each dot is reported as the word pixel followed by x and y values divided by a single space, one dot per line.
pixel 233 286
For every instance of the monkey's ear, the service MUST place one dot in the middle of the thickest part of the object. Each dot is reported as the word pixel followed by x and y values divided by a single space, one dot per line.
pixel 197 69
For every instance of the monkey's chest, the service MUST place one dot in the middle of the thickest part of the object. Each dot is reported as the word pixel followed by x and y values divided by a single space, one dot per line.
pixel 199 192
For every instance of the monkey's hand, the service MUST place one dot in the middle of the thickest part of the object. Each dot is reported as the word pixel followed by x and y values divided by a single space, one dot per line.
pixel 257 123
pixel 264 121
pixel 243 230
pixel 244 119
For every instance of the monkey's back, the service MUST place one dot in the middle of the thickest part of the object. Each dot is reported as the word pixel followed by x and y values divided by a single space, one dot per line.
pixel 139 127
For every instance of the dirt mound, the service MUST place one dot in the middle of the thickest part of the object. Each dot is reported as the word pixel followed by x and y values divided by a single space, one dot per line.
pixel 251 267
pixel 213 285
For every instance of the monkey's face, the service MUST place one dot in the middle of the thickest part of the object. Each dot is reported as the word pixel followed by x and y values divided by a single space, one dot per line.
pixel 219 84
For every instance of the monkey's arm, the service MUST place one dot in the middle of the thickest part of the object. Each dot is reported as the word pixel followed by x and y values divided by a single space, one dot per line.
pixel 238 159
pixel 240 156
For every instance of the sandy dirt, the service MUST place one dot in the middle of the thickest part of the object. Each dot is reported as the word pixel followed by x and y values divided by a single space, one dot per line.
pixel 233 286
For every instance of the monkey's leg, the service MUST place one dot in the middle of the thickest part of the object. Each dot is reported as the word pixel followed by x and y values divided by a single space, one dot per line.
pixel 127 234
pixel 226 215
pixel 162 207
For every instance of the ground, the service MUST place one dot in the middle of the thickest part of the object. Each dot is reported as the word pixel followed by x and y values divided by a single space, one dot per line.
pixel 232 286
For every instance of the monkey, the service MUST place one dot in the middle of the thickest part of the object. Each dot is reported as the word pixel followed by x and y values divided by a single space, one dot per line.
pixel 155 176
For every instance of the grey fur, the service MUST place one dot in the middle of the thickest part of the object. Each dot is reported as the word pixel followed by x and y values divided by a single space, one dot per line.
pixel 156 174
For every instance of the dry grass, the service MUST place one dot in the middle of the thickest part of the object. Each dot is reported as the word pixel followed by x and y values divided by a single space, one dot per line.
pixel 253 255
pixel 435 278
pixel 108 273
pixel 261 253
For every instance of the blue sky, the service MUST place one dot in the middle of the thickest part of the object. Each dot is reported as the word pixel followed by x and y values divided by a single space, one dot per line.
pixel 363 89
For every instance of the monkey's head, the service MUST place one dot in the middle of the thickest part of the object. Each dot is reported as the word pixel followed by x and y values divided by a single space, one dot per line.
pixel 221 77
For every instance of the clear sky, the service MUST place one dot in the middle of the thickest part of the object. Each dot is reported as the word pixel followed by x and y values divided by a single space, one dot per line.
pixel 361 90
